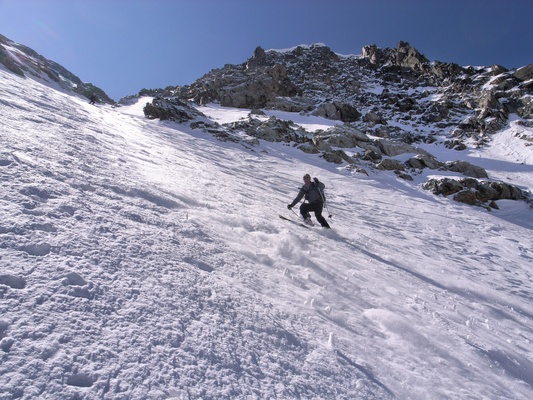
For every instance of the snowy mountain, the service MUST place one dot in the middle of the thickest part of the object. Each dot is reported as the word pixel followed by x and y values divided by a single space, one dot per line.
pixel 144 259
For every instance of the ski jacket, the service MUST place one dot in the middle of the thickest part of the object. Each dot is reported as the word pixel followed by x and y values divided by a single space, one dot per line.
pixel 313 193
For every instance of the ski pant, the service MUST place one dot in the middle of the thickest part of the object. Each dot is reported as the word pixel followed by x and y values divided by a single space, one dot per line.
pixel 317 207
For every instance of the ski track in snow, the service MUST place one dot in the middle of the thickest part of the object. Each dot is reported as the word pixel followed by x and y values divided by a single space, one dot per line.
pixel 142 259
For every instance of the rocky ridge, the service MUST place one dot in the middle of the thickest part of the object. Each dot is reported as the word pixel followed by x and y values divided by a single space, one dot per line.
pixel 24 61
pixel 387 101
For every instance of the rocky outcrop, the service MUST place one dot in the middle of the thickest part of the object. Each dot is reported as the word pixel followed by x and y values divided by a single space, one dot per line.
pixel 403 56
pixel 474 192
pixel 171 109
pixel 409 57
pixel 255 84
pixel 257 87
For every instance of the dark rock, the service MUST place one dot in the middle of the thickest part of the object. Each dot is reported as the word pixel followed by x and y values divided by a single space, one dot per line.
pixel 524 73
pixel 171 109
pixel 467 169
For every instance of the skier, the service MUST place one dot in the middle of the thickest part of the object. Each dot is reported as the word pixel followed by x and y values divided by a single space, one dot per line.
pixel 314 194
pixel 93 98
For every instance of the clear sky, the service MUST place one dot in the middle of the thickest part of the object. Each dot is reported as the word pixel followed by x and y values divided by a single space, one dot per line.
pixel 123 46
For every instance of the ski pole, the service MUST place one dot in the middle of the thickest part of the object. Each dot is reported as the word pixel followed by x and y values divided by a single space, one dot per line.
pixel 327 209
pixel 295 213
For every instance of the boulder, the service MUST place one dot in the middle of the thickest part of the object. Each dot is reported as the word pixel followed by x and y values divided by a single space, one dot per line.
pixel 425 160
pixel 403 175
pixel 337 157
pixel 371 155
pixel 467 196
pixel 524 73
pixel 291 104
pixel 374 118
pixel 526 110
pixel 276 130
pixel 344 136
pixel 170 109
pixel 310 148
pixel 470 124
pixel 337 110
pixel 443 186
pixel 455 144
pixel 256 112
pixel 389 164
pixel 393 148
pixel 382 131
pixel 326 110
pixel 436 112
pixel 506 191
pixel 321 143
pixel 466 169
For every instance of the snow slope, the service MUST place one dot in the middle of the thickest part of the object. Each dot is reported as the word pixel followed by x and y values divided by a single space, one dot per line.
pixel 144 260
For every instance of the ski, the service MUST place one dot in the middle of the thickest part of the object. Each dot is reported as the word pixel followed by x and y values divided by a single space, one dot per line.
pixel 294 222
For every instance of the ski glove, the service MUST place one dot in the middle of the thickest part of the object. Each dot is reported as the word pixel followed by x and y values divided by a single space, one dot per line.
pixel 316 180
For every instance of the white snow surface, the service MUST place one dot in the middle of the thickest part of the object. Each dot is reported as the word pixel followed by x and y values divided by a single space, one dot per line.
pixel 141 259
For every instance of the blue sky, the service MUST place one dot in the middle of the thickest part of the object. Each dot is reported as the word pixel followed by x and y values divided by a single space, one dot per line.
pixel 123 46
